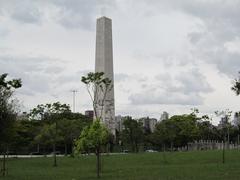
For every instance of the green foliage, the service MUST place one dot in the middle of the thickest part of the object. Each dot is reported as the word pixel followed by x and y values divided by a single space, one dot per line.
pixel 48 135
pixel 132 133
pixel 7 107
pixel 178 130
pixel 11 84
pixel 33 135
pixel 97 85
pixel 92 137
pixel 236 85
pixel 96 79
pixel 24 136
pixel 49 111
pixel 207 131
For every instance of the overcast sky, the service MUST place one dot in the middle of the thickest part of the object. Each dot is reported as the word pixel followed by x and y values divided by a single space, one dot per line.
pixel 169 55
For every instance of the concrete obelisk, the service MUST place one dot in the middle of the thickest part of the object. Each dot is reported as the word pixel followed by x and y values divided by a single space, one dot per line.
pixel 104 63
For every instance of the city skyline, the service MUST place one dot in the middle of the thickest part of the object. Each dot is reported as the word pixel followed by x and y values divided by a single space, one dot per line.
pixel 168 56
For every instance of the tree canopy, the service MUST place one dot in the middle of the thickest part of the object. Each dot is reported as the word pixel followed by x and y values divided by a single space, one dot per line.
pixel 236 85
pixel 97 86
pixel 7 106
pixel 132 133
pixel 92 138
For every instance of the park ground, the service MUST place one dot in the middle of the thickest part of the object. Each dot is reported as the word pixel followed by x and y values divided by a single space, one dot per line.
pixel 196 165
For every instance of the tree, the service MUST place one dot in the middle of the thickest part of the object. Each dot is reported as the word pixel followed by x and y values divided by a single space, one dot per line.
pixel 225 122
pixel 97 87
pixel 69 126
pixel 91 139
pixel 51 113
pixel 236 85
pixel 177 131
pixel 7 111
pixel 206 130
pixel 49 136
pixel 25 132
pixel 165 134
pixel 132 133
pixel 68 131
pixel 225 126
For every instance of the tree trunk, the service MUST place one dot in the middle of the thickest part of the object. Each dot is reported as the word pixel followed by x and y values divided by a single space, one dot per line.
pixel 72 150
pixel 54 145
pixel 54 155
pixel 44 151
pixel 98 163
pixel 4 164
pixel 65 145
pixel 136 147
pixel 171 146
pixel 228 139
pixel 238 142
pixel 223 152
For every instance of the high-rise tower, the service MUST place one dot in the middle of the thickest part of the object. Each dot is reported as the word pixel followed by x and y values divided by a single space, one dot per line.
pixel 104 63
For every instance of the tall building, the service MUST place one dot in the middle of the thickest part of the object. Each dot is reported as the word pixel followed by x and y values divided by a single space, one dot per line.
pixel 164 116
pixel 104 63
pixel 89 113
pixel 149 124
pixel 119 122
pixel 223 122
pixel 236 119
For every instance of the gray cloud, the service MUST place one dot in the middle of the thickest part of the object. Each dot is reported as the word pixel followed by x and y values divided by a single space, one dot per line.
pixel 3 32
pixel 185 82
pixel 193 81
pixel 222 23
pixel 80 13
pixel 217 22
pixel 150 97
pixel 37 73
pixel 71 78
pixel 215 12
pixel 25 11
pixel 27 15
pixel 53 70
pixel 120 77
pixel 185 89
pixel 68 13
pixel 226 62
pixel 211 50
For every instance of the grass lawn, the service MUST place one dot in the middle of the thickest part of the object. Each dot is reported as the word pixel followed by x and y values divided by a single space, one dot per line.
pixel 163 166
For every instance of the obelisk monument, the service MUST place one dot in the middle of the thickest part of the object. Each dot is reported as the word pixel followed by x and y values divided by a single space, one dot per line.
pixel 104 63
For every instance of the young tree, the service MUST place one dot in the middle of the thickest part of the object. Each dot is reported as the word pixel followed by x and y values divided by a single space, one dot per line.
pixel 91 139
pixel 225 123
pixel 97 86
pixel 7 112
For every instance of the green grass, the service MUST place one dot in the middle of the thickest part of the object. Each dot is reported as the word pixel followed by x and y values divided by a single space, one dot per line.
pixel 163 166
